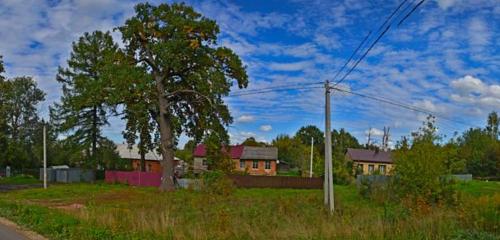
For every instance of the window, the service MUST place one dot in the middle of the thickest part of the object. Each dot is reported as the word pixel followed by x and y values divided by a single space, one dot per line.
pixel 255 164
pixel 360 167
pixel 205 163
pixel 148 167
pixel 371 168
pixel 268 164
pixel 381 169
pixel 242 164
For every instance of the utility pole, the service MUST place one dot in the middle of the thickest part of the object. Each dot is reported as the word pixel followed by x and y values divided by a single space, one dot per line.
pixel 329 200
pixel 311 162
pixel 44 155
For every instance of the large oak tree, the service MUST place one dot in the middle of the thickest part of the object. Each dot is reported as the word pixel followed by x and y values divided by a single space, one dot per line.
pixel 184 72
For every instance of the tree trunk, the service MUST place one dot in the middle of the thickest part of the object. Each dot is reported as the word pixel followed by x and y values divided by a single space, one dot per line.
pixel 94 136
pixel 166 139
pixel 143 161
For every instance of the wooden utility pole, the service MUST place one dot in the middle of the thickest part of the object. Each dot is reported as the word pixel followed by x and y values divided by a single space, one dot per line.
pixel 328 180
pixel 44 156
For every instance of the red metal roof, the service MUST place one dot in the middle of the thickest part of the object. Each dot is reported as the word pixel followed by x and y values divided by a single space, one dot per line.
pixel 369 155
pixel 234 151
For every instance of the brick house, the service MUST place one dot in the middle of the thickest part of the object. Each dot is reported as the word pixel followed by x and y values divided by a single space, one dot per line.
pixel 253 160
pixel 368 162
pixel 153 160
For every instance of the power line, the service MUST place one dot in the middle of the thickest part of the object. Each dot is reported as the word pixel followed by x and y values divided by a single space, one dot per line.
pixel 367 37
pixel 271 90
pixel 402 105
pixel 363 56
pixel 352 55
pixel 381 34
pixel 413 10
pixel 280 86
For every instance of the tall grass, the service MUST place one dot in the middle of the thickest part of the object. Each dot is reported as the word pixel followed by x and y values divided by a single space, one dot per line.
pixel 256 214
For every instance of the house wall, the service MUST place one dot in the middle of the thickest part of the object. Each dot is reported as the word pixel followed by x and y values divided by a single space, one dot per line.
pixel 258 171
pixel 151 166
pixel 376 166
pixel 198 166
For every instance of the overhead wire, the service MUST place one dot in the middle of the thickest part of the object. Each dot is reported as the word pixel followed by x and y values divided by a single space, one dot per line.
pixel 387 22
pixel 402 105
pixel 272 90
pixel 279 87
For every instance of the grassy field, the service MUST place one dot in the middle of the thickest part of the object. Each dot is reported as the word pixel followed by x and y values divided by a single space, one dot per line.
pixel 101 211
pixel 21 179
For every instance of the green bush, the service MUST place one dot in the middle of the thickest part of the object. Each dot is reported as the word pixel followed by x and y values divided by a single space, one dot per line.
pixel 216 182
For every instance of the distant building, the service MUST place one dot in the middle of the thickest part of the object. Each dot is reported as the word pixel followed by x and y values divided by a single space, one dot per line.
pixel 368 162
pixel 253 160
pixel 153 160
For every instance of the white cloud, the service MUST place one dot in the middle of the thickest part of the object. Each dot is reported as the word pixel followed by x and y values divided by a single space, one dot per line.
pixel 290 67
pixel 245 118
pixel 469 84
pixel 429 106
pixel 266 128
pixel 374 132
pixel 327 41
pixel 445 4
pixel 247 134
pixel 479 32
pixel 476 93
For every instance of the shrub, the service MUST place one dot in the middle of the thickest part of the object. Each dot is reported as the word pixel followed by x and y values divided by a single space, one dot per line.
pixel 420 169
pixel 216 182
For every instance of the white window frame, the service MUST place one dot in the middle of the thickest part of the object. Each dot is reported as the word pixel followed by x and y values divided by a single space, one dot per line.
pixel 267 165
pixel 371 168
pixel 242 164
pixel 253 164
pixel 380 167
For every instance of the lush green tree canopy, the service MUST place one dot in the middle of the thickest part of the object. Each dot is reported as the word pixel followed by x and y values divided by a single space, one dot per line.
pixel 83 110
pixel 253 143
pixel 19 121
pixel 186 74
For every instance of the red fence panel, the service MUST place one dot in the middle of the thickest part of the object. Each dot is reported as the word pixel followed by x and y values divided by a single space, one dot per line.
pixel 134 178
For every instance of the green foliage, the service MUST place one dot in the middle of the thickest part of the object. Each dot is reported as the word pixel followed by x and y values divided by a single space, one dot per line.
pixel 474 235
pixel 19 179
pixel 419 170
pixel 253 143
pixel 84 108
pixel 492 127
pixel 479 150
pixel 304 134
pixel 111 158
pixel 292 151
pixel 216 182
pixel 186 153
pixel 217 159
pixel 296 151
pixel 183 76
pixel 122 212
pixel 19 122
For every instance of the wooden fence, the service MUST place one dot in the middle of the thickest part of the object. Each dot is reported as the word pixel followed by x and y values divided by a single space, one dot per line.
pixel 248 181
pixel 134 178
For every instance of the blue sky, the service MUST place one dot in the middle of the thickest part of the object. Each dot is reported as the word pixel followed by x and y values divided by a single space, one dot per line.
pixel 444 58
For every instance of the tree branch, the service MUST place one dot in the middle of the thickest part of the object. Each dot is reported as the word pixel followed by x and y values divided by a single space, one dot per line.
pixel 177 92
